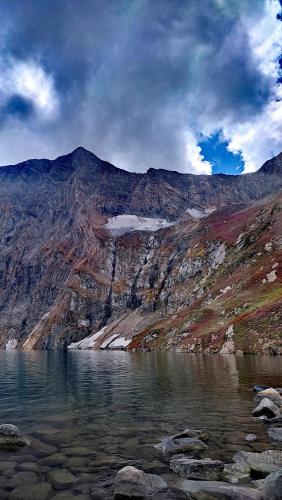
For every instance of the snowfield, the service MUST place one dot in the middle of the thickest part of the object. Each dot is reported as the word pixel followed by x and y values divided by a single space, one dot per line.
pixel 127 222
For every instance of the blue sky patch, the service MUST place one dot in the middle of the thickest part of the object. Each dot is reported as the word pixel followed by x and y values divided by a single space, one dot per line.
pixel 214 150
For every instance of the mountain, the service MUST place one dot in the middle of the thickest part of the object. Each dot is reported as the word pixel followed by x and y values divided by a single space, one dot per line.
pixel 160 260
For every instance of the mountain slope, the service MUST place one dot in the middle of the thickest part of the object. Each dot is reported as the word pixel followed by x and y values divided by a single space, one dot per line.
pixel 64 275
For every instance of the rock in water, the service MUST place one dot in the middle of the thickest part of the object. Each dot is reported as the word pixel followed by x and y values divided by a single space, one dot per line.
pixel 11 436
pixel 192 433
pixel 250 438
pixel 264 463
pixel 272 486
pixel 271 394
pixel 267 408
pixel 275 433
pixel 207 490
pixel 259 388
pixel 190 468
pixel 134 483
pixel 182 445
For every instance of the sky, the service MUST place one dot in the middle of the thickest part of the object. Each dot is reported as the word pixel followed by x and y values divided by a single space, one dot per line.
pixel 187 85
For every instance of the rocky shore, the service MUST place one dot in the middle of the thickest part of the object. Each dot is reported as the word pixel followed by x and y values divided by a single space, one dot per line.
pixel 184 468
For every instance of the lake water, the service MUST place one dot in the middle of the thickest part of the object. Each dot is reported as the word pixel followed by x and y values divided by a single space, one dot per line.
pixel 94 412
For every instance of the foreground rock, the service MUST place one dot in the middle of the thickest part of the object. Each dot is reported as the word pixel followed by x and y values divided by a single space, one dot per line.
pixel 134 483
pixel 240 472
pixel 272 486
pixel 62 478
pixel 11 436
pixel 173 445
pixel 275 434
pixel 192 433
pixel 207 490
pixel 266 408
pixel 250 438
pixel 263 463
pixel 271 394
pixel 190 468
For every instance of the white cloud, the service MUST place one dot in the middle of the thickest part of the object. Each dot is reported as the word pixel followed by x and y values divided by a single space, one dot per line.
pixel 29 80
pixel 195 157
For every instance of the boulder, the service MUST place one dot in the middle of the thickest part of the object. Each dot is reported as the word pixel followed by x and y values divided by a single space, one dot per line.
pixel 263 463
pixel 250 438
pixel 11 436
pixel 40 491
pixel 259 388
pixel 190 468
pixel 134 483
pixel 275 434
pixel 272 486
pixel 266 408
pixel 192 433
pixel 240 472
pixel 271 394
pixel 275 421
pixel 207 490
pixel 61 478
pixel 182 445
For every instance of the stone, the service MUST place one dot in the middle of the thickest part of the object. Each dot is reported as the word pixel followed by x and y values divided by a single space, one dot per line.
pixel 208 490
pixel 61 478
pixel 24 477
pixel 266 408
pixel 205 469
pixel 66 495
pixel 7 466
pixel 78 451
pixel 55 459
pixel 259 388
pixel 275 433
pixel 182 445
pixel 11 436
pixel 134 483
pixel 275 421
pixel 250 438
pixel 40 491
pixel 263 463
pixel 272 486
pixel 29 466
pixel 271 394
pixel 240 472
pixel 192 433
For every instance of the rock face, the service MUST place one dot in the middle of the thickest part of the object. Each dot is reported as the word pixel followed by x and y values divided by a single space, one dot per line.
pixel 134 483
pixel 272 486
pixel 72 270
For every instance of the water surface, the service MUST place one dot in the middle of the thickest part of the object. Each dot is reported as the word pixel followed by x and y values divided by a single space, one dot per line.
pixel 94 412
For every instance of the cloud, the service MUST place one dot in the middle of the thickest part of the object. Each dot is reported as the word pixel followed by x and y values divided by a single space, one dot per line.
pixel 139 83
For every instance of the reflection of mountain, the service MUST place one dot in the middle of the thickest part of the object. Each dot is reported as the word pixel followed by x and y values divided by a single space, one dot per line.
pixel 81 249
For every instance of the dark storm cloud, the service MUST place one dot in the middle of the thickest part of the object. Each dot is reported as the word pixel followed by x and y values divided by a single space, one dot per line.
pixel 132 75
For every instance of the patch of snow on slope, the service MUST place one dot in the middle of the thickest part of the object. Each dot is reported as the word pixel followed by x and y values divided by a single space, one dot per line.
pixel 88 342
pixel 199 213
pixel 127 222
pixel 119 343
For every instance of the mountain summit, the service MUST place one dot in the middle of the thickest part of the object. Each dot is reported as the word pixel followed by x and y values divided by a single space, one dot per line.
pixel 160 260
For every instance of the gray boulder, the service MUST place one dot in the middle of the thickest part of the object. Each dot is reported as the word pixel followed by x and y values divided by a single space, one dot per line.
pixel 208 490
pixel 191 468
pixel 272 486
pixel 271 394
pixel 11 436
pixel 240 472
pixel 134 483
pixel 259 388
pixel 275 434
pixel 275 421
pixel 266 408
pixel 182 445
pixel 264 463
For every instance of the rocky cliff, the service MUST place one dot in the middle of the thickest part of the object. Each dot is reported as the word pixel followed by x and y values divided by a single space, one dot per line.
pixel 94 256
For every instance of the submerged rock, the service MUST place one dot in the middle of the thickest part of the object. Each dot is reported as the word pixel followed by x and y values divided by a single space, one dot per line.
pixel 134 483
pixel 275 433
pixel 181 445
pixel 11 436
pixel 272 486
pixel 271 394
pixel 266 408
pixel 197 469
pixel 206 490
pixel 61 478
pixel 40 491
pixel 192 433
pixel 250 438
pixel 263 463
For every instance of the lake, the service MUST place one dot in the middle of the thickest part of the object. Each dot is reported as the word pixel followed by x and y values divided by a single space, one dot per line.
pixel 94 412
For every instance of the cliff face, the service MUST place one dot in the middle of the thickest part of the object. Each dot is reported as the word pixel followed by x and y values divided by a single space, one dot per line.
pixel 204 281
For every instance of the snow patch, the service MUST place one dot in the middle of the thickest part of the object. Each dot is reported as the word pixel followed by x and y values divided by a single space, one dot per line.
pixel 199 213
pixel 89 342
pixel 270 277
pixel 127 223
pixel 119 343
